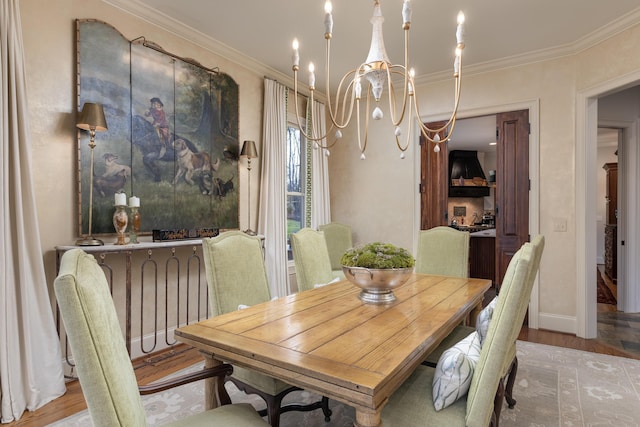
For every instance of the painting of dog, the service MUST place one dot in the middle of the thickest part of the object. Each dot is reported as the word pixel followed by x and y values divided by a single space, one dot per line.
pixel 181 174
pixel 221 188
pixel 109 185
pixel 190 162
pixel 112 167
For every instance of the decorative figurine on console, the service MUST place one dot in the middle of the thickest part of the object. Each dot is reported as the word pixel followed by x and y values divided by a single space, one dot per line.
pixel 120 217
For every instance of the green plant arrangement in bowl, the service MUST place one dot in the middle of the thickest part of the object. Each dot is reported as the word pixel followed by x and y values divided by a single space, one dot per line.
pixel 377 268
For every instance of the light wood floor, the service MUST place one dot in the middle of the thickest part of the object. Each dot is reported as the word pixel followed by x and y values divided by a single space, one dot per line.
pixel 614 338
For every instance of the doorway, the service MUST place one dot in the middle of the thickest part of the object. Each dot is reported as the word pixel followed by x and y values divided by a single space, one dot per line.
pixel 533 108
pixel 612 104
pixel 607 219
pixel 509 203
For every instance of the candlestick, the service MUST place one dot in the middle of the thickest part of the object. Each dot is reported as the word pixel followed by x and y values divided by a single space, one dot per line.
pixel 135 226
pixel 358 88
pixel 296 54
pixel 460 29
pixel 312 76
pixel 120 220
pixel 328 20
pixel 120 199
pixel 406 14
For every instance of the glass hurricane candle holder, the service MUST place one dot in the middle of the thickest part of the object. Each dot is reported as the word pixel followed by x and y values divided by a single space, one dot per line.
pixel 120 221
pixel 135 225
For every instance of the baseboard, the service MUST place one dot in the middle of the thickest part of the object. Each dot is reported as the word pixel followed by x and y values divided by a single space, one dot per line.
pixel 136 349
pixel 557 323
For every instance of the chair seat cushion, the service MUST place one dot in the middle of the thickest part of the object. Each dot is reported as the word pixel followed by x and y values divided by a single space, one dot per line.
pixel 260 381
pixel 236 415
pixel 335 279
pixel 459 333
pixel 455 370
pixel 412 404
pixel 339 274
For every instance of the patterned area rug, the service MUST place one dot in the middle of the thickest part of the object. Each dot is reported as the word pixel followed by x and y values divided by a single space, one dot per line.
pixel 605 296
pixel 554 387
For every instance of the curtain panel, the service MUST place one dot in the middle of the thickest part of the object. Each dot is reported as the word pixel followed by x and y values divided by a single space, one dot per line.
pixel 31 372
pixel 320 200
pixel 272 213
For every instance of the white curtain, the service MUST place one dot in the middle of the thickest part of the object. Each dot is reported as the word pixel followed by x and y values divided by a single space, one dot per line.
pixel 30 359
pixel 320 202
pixel 272 213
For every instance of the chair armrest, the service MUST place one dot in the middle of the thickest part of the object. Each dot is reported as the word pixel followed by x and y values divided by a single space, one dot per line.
pixel 220 371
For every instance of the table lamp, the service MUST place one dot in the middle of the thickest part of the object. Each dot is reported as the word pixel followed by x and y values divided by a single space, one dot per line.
pixel 249 151
pixel 91 119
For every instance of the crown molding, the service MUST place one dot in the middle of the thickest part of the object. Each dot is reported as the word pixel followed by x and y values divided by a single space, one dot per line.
pixel 166 23
pixel 142 11
pixel 600 35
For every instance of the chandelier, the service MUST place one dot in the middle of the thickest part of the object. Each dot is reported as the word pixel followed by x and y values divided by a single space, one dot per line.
pixel 377 72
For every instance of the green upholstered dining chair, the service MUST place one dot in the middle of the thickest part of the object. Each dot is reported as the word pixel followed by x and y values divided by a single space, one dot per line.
pixel 509 370
pixel 339 238
pixel 236 277
pixel 443 251
pixel 411 405
pixel 103 365
pixel 311 259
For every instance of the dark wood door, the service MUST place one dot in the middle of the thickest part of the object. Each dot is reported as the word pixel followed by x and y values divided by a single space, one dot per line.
pixel 611 196
pixel 512 186
pixel 610 226
pixel 433 181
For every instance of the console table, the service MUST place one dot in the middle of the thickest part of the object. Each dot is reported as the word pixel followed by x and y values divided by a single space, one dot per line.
pixel 182 263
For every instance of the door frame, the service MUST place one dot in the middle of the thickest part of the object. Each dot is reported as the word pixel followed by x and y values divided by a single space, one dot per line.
pixel 534 165
pixel 586 146
pixel 625 133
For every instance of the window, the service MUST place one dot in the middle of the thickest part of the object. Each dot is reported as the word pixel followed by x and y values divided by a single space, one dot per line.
pixel 296 181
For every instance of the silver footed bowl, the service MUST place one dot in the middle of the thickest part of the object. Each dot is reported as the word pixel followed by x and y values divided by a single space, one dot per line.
pixel 377 284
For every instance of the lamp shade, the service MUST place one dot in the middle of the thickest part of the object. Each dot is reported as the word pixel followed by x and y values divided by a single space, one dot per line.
pixel 92 117
pixel 249 149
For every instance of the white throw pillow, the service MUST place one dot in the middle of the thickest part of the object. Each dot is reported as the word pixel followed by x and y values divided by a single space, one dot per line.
pixel 484 319
pixel 454 371
pixel 319 285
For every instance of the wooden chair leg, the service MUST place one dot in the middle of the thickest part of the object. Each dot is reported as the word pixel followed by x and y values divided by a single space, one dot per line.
pixel 497 402
pixel 274 403
pixel 325 409
pixel 273 410
pixel 508 395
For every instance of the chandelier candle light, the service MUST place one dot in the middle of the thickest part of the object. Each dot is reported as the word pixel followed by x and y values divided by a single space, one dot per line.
pixel 379 72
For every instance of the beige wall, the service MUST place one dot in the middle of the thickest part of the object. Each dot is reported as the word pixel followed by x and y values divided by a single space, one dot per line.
pixel 49 43
pixel 378 196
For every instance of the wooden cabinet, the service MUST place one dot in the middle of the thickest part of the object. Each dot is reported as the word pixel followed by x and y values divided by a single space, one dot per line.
pixel 482 256
pixel 611 192
pixel 611 222
pixel 610 251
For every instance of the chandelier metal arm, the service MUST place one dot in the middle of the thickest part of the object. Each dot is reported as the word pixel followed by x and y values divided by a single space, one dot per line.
pixel 425 130
pixel 307 135
pixel 408 80
pixel 375 70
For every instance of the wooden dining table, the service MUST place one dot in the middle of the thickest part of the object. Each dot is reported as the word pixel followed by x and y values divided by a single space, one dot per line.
pixel 328 341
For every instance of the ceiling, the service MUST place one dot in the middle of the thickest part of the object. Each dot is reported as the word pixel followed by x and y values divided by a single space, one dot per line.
pixel 498 32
